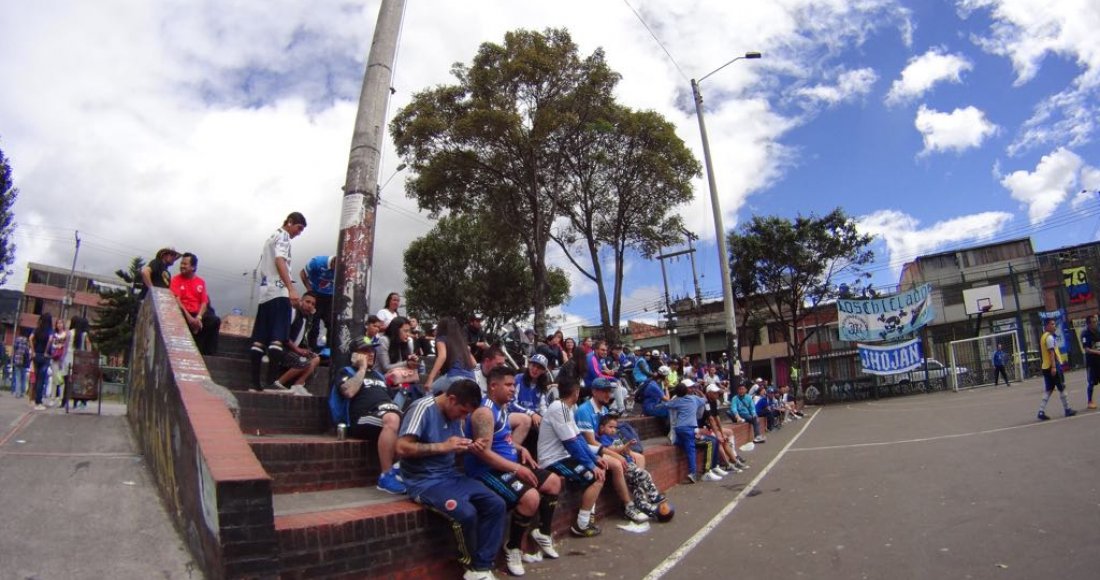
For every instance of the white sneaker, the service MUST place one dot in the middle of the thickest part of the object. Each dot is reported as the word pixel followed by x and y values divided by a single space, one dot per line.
pixel 721 472
pixel 711 476
pixel 545 543
pixel 514 560
pixel 532 558
pixel 39 407
pixel 300 390
pixel 478 575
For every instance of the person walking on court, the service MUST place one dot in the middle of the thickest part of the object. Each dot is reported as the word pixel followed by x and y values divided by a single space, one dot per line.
pixel 999 360
pixel 1052 371
pixel 1090 339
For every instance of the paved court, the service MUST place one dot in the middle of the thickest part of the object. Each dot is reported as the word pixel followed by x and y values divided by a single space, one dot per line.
pixel 948 485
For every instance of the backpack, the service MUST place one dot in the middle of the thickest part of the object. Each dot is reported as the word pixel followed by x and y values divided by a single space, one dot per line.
pixel 338 406
pixel 627 432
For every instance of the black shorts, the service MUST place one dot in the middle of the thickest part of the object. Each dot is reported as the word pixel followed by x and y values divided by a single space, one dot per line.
pixel 509 487
pixel 573 471
pixel 272 321
pixel 369 426
pixel 293 360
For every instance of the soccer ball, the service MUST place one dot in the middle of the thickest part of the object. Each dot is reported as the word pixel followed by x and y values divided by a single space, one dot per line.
pixel 665 511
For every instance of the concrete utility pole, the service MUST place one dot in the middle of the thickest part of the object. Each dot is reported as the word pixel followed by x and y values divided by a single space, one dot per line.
pixel 355 246
pixel 68 299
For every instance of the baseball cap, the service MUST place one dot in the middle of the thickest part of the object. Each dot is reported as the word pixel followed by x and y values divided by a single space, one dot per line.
pixel 602 384
pixel 655 353
pixel 636 348
pixel 688 383
pixel 713 389
pixel 540 360
pixel 361 343
pixel 663 370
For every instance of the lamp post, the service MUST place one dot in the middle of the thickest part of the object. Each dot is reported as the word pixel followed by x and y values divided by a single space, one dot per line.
pixel 732 346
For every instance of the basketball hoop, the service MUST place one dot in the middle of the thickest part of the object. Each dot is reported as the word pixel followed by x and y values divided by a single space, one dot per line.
pixel 986 307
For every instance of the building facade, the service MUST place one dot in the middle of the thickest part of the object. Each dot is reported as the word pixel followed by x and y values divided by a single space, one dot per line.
pixel 58 291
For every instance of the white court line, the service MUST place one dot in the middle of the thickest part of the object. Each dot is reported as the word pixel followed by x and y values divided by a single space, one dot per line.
pixel 939 437
pixel 686 548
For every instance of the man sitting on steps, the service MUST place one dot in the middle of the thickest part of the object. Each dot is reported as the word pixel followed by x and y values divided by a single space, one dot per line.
pixel 372 416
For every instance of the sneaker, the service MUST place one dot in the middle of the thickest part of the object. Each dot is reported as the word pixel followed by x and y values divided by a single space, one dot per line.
pixel 711 476
pixel 731 468
pixel 1070 412
pixel 545 543
pixel 634 514
pixel 513 559
pixel 692 478
pixel 478 575
pixel 39 407
pixel 657 499
pixel 1092 405
pixel 721 472
pixel 278 387
pixel 1043 416
pixel 759 440
pixel 532 558
pixel 389 484
pixel 590 532
pixel 740 462
pixel 300 390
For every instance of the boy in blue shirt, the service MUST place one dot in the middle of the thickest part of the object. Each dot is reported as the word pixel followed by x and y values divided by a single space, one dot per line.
pixel 642 489
pixel 684 410
pixel 742 410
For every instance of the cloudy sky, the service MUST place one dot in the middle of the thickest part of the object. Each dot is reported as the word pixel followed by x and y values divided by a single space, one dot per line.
pixel 201 124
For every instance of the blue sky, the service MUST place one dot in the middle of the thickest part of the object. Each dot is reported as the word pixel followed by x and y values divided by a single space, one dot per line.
pixel 198 124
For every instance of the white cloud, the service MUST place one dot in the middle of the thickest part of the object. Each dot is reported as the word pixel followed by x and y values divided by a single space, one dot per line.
pixel 849 85
pixel 1027 32
pixel 924 72
pixel 905 239
pixel 956 131
pixel 1044 189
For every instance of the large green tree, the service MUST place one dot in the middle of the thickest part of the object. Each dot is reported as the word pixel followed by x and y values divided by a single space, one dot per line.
pixel 462 267
pixel 495 142
pixel 626 173
pixel 113 330
pixel 8 194
pixel 794 265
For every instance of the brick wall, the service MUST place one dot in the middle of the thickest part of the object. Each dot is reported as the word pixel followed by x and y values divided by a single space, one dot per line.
pixel 210 481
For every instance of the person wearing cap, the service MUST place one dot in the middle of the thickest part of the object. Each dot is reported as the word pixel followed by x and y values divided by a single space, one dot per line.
pixel 711 423
pixel 587 417
pixel 533 390
pixel 157 273
pixel 276 297
pixel 319 277
pixel 372 415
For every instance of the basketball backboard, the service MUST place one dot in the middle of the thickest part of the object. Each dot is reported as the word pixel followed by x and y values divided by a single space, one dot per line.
pixel 983 299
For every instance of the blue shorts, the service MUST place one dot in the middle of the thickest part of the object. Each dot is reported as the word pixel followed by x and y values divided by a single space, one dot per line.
pixel 509 487
pixel 574 471
pixel 272 321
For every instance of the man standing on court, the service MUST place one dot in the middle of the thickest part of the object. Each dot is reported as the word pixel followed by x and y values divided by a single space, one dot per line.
pixel 999 360
pixel 1090 340
pixel 1052 370
pixel 277 297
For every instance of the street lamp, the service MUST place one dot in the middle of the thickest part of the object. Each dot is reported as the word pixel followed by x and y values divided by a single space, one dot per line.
pixel 732 346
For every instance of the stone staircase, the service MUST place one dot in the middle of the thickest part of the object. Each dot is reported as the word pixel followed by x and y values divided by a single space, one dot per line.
pixel 329 519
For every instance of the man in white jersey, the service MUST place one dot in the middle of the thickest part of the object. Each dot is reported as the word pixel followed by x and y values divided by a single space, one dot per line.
pixel 277 297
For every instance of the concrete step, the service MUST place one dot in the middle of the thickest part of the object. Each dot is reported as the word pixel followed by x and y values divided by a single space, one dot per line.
pixel 303 463
pixel 363 532
pixel 271 413
pixel 235 374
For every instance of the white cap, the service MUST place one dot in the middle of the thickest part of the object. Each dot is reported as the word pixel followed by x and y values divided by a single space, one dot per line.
pixel 655 353
pixel 713 389
pixel 688 383
pixel 663 370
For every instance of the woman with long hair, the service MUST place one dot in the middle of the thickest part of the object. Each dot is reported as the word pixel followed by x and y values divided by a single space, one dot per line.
pixel 453 359
pixel 389 311
pixel 40 345
pixel 59 349
pixel 394 354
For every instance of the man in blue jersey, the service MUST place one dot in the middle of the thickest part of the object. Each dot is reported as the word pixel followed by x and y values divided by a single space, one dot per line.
pixel 319 277
pixel 587 417
pixel 509 470
pixel 431 433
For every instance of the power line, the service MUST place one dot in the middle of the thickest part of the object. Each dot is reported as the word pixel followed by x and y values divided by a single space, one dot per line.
pixel 657 40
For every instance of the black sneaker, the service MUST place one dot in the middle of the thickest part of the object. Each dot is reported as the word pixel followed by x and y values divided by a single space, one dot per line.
pixel 1043 416
pixel 590 532
pixel 1070 412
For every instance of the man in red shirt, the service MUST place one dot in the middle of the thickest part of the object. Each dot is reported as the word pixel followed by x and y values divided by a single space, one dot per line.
pixel 190 293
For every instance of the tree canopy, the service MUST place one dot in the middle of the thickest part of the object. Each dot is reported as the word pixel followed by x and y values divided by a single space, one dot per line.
pixel 794 264
pixel 462 267
pixel 495 143
pixel 8 194
pixel 113 330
